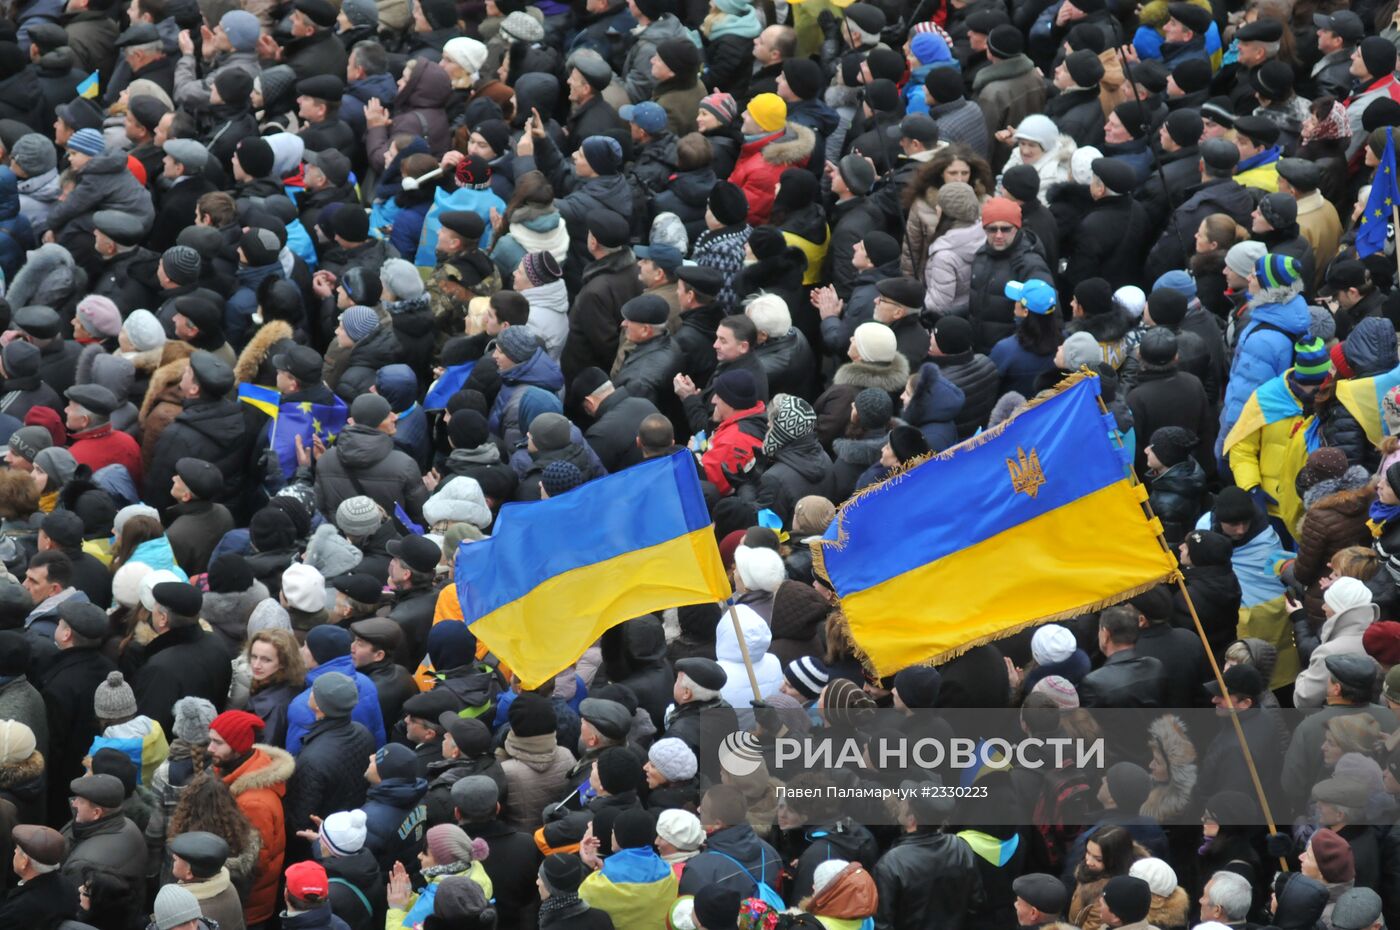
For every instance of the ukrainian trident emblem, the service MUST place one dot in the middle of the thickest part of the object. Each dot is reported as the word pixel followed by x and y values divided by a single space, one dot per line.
pixel 1027 477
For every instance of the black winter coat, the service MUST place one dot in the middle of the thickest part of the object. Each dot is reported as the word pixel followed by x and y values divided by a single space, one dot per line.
pixel 798 469
pixel 361 871
pixel 183 662
pixel 1124 680
pixel 851 221
pixel 380 348
pixel 716 865
pixel 319 53
pixel 1215 592
pixel 128 279
pixel 1167 397
pixel 927 881
pixel 1218 195
pixel 67 685
pixel 1177 497
pixel 330 772
pixel 1182 172
pixel 42 903
pixel 687 195
pixel 413 612
pixel 980 383
pixel 364 461
pixel 512 867
pixel 595 118
pixel 58 364
pixel 781 275
pixel 596 316
pixel 789 364
pixel 648 370
pixel 22 98
pixel 634 654
pixel 394 685
pixel 176 212
pixel 1109 243
pixel 1183 659
pixel 613 435
pixel 212 430
pixel 1079 115
pixel 991 310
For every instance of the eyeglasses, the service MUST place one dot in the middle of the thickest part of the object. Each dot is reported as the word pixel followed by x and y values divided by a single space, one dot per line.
pixel 1000 230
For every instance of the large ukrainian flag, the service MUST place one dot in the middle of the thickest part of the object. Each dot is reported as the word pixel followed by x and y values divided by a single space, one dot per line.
pixel 1364 398
pixel 1034 520
pixel 556 574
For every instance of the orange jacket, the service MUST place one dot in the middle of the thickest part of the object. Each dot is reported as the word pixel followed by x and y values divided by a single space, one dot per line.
pixel 258 786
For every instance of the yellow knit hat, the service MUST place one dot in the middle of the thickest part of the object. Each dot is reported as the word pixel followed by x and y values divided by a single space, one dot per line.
pixel 769 111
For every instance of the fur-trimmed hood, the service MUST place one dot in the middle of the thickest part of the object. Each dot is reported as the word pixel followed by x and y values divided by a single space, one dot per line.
pixel 164 386
pixel 228 612
pixel 789 150
pixel 1171 911
pixel 49 274
pixel 1167 735
pixel 891 377
pixel 278 771
pixel 1350 494
pixel 15 774
pixel 250 360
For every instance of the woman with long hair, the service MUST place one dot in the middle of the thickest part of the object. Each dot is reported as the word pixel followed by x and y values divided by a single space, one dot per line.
pixel 1214 237
pixel 531 224
pixel 142 539
pixel 278 675
pixel 208 805
pixel 1108 852
pixel 920 199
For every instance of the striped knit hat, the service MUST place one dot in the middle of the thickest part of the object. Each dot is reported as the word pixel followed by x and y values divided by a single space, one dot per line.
pixel 1277 270
pixel 807 675
pixel 1311 361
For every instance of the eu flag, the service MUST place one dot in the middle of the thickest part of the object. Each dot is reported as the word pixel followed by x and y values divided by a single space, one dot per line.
pixel 1385 194
pixel 306 420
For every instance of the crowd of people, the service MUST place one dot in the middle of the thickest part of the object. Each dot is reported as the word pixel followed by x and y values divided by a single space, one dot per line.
pixel 297 295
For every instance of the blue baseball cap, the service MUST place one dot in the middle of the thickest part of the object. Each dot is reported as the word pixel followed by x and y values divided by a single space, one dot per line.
pixel 1038 296
pixel 647 116
pixel 660 254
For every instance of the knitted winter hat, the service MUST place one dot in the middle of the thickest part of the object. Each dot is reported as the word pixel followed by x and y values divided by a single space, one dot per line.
pixel 359 322
pixel 238 728
pixel 518 343
pixel 875 342
pixel 358 516
pixel 791 419
pixel 344 832
pixel 193 715
pixel 1059 690
pixel 1346 593
pixel 759 568
pixel 17 742
pixel 1311 361
pixel 673 759
pixel 541 268
pixel 175 906
pixel 874 407
pixel 1172 444
pixel 560 477
pixel 450 843
pixel 1160 877
pixel 807 675
pixel 1275 270
pixel 114 698
pixel 1052 643
pixel 99 316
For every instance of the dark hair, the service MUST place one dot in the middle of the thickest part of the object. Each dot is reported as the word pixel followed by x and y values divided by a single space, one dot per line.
pixel 930 175
pixel 279 299
pixel 1116 846
pixel 1040 333
pixel 511 307
pixel 57 564
pixel 218 206
pixel 656 432
pixel 135 531
pixel 693 151
pixel 742 327
pixel 371 57
pixel 1121 624
pixel 207 804
pixel 114 901
pixel 531 187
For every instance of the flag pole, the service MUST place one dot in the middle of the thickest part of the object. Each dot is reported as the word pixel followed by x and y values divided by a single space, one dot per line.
pixel 744 650
pixel 1210 655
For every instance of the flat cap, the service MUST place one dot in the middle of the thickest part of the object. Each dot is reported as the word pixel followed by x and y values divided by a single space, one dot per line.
pixel 607 717
pixel 202 314
pixel 204 479
pixel 213 374
pixel 646 308
pixel 466 223
pixel 94 397
pixel 379 632
pixel 319 12
pixel 707 673
pixel 1193 17
pixel 417 552
pixel 121 227
pixel 1117 175
pixel 322 87
pixel 333 164
pixel 102 790
pixel 1260 129
pixel 904 291
pixel 139 34
pixel 609 228
pixel 1356 909
pixel 44 845
pixel 301 362
pixel 431 705
pixel 38 321
pixel 1261 30
pixel 187 152
pixel 1300 172
pixel 1045 893
pixel 1343 790
pixel 178 597
pixel 1220 154
pixel 359 586
pixel 702 278
pixel 205 852
pixel 1240 680
pixel 1354 671
pixel 86 619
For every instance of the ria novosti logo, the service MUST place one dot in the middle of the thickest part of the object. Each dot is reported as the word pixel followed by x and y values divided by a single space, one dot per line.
pixel 740 754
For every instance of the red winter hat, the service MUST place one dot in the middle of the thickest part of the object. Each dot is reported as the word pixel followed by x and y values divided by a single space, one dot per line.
pixel 237 727
pixel 1001 210
pixel 307 880
pixel 1333 856
pixel 1382 642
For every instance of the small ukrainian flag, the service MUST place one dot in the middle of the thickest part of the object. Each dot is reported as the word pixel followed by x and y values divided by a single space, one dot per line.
pixel 88 88
pixel 264 398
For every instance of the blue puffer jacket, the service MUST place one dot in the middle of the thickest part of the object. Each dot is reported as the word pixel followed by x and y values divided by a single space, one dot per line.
pixel 395 820
pixel 933 407
pixel 366 712
pixel 238 312
pixel 1262 352
pixel 540 371
pixel 16 236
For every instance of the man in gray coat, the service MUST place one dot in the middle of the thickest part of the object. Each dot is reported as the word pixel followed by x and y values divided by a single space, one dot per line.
pixel 100 835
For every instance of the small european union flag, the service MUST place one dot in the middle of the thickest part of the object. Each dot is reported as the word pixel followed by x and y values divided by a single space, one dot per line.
pixel 1380 206
pixel 306 420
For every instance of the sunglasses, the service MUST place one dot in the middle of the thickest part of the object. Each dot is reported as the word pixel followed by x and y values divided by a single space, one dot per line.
pixel 1000 230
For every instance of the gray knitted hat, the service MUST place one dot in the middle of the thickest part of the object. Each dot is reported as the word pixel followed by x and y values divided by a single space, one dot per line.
pixel 175 906
pixel 114 698
pixel 192 718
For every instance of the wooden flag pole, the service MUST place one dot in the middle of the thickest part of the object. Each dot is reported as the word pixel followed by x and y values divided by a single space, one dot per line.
pixel 1214 666
pixel 744 651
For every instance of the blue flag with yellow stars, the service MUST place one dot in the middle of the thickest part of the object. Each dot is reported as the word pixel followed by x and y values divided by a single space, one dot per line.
pixel 1380 206
pixel 306 420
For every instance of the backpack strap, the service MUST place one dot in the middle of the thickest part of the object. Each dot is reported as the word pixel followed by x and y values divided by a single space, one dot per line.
pixel 358 893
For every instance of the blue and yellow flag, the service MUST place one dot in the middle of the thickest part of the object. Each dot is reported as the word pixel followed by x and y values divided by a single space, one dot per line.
pixel 306 420
pixel 87 88
pixel 265 399
pixel 1031 521
pixel 1364 398
pixel 1380 206
pixel 557 573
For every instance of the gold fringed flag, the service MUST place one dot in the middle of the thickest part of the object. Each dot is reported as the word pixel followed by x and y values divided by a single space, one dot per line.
pixel 1031 521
